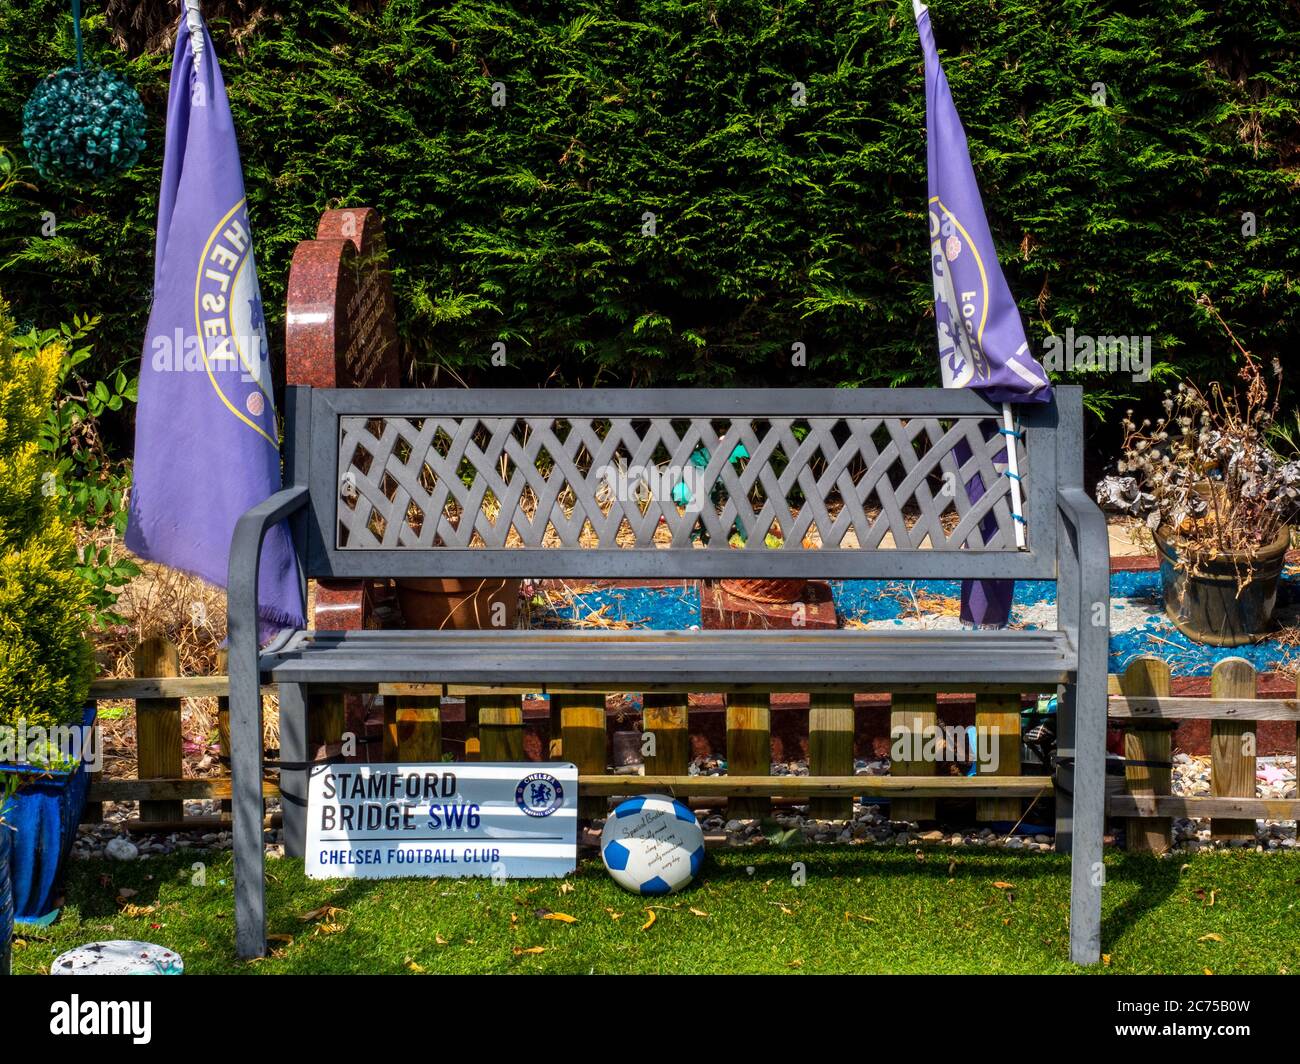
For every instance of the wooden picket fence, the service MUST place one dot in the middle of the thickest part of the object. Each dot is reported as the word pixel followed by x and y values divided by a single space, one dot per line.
pixel 1141 700
pixel 494 731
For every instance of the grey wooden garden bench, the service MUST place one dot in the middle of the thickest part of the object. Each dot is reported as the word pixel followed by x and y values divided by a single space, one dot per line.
pixel 853 484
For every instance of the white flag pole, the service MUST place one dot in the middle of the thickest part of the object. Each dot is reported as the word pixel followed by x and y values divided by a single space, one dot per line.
pixel 1013 472
pixel 194 23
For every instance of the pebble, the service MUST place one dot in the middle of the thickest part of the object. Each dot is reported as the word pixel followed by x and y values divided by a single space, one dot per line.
pixel 93 840
pixel 869 824
pixel 121 848
pixel 1191 778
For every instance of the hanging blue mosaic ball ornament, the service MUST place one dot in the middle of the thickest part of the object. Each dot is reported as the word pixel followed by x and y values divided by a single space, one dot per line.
pixel 83 123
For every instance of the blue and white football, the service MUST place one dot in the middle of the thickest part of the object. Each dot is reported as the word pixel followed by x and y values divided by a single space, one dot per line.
pixel 652 845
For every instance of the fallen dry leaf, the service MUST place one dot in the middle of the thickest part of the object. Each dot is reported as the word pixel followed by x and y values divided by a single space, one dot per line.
pixel 325 912
pixel 1105 960
pixel 650 921
pixel 1002 885
pixel 138 910
pixel 697 912
pixel 1211 937
pixel 439 940
pixel 410 964
pixel 795 964
pixel 531 949
pixel 613 915
pixel 563 918
pixel 566 887
pixel 330 929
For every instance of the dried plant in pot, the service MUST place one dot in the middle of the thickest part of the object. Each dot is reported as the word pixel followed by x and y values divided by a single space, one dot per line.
pixel 1216 500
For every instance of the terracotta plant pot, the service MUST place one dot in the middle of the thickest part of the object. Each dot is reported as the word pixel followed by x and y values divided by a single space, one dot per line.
pixel 1212 606
pixel 766 590
pixel 453 603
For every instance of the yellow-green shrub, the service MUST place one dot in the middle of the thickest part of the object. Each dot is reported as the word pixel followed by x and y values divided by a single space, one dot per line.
pixel 45 657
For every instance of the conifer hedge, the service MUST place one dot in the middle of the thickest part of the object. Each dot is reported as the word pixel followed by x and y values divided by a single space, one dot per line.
pixel 1123 149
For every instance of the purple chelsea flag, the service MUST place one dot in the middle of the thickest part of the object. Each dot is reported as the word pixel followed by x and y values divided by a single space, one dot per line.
pixel 982 341
pixel 206 441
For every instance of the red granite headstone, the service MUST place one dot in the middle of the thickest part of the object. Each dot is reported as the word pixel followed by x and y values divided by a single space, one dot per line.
pixel 341 325
pixel 341 332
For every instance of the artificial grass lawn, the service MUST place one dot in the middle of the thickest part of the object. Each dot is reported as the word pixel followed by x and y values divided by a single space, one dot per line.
pixel 861 910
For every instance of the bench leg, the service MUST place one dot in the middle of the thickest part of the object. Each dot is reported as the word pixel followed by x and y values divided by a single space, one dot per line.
pixel 246 788
pixel 293 781
pixel 1087 871
pixel 1064 795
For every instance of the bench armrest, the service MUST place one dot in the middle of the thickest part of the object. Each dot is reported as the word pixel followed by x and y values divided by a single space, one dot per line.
pixel 246 555
pixel 1088 549
pixel 246 714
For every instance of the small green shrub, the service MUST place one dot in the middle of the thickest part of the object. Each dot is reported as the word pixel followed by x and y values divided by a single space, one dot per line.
pixel 45 657
pixel 88 483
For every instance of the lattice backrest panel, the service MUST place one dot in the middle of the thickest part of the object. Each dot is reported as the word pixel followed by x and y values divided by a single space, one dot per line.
pixel 765 483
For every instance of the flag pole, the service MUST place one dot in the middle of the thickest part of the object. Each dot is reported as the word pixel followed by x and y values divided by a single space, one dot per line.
pixel 1013 471
pixel 194 23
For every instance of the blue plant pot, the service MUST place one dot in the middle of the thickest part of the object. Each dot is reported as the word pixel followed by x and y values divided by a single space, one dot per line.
pixel 45 813
pixel 6 899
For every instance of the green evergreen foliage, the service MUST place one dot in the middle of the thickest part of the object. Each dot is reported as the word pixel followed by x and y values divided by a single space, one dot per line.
pixel 45 658
pixel 775 223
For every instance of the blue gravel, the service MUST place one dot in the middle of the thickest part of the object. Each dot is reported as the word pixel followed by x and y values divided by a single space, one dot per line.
pixel 664 608
pixel 881 600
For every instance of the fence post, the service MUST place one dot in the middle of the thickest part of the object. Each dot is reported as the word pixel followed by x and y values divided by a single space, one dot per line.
pixel 1232 747
pixel 830 749
pixel 93 812
pixel 158 726
pixel 472 749
pixel 582 719
pixel 665 716
pixel 999 716
pixel 412 728
pixel 749 750
pixel 223 721
pixel 910 717
pixel 326 716
pixel 1147 747
pixel 501 728
pixel 555 733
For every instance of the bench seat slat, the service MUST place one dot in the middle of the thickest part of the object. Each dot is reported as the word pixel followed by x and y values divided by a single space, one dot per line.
pixel 713 660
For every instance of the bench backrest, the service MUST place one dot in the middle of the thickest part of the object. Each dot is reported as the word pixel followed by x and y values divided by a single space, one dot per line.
pixel 606 483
